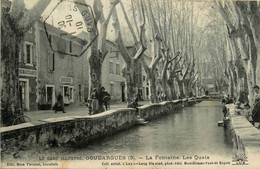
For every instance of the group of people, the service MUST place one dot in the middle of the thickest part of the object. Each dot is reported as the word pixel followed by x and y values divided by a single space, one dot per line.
pixel 99 101
pixel 251 113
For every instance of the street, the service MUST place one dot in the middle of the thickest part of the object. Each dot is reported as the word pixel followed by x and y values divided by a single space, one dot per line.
pixel 72 110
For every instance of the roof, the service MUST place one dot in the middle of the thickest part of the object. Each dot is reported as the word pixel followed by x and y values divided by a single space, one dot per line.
pixel 57 31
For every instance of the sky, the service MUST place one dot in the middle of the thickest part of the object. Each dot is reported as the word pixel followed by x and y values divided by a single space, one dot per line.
pixel 63 13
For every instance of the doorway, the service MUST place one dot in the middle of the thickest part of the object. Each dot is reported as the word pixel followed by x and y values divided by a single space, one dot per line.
pixel 50 95
pixel 67 94
pixel 24 94
pixel 147 93
pixel 123 93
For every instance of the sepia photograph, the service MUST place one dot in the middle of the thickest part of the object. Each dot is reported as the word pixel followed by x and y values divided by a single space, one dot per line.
pixel 130 84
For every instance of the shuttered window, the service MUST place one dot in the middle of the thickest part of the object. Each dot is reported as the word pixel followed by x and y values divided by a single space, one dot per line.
pixel 28 52
pixel 51 61
pixel 117 69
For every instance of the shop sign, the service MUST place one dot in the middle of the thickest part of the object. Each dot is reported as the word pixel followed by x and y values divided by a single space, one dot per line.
pixel 27 72
pixel 66 80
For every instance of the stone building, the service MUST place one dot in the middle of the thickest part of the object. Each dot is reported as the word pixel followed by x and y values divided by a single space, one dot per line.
pixel 28 72
pixel 112 78
pixel 62 68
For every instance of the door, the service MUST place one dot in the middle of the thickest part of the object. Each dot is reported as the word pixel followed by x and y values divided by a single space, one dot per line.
pixel 49 95
pixel 22 88
pixel 123 93
pixel 66 95
pixel 147 93
pixel 24 94
pixel 80 97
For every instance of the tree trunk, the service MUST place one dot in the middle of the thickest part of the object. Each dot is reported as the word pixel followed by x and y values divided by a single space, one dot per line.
pixel 181 88
pixel 172 92
pixel 250 82
pixel 10 40
pixel 95 69
pixel 128 74
pixel 187 87
pixel 153 84
pixel 231 86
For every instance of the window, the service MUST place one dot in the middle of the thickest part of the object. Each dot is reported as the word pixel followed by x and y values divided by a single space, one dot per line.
pixel 51 61
pixel 117 69
pixel 111 70
pixel 143 78
pixel 112 89
pixel 70 46
pixel 28 53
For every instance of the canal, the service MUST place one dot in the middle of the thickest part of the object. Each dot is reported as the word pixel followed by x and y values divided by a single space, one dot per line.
pixel 191 131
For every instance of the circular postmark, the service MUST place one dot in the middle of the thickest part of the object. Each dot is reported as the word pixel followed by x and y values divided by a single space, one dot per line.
pixel 70 28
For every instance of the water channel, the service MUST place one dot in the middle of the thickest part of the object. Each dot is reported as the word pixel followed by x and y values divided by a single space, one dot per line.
pixel 191 131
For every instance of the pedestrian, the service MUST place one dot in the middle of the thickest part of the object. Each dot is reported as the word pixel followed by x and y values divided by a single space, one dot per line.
pixel 256 109
pixel 247 113
pixel 224 110
pixel 94 102
pixel 238 110
pixel 134 104
pixel 104 98
pixel 59 105
pixel 229 100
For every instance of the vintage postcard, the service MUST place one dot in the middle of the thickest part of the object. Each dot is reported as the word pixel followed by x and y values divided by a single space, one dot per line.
pixel 129 84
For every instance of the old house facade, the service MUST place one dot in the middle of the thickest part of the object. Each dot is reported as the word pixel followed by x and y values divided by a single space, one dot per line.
pixel 112 78
pixel 62 68
pixel 28 72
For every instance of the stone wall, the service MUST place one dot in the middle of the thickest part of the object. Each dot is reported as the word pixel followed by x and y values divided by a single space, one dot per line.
pixel 150 112
pixel 80 130
pixel 246 138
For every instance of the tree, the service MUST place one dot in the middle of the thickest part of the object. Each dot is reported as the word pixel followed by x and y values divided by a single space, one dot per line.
pixel 130 60
pixel 243 32
pixel 14 24
pixel 98 47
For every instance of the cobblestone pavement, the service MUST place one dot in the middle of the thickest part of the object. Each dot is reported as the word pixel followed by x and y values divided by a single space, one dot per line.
pixel 71 110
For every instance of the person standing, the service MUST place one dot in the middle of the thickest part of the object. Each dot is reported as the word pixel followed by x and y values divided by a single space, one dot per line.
pixel 104 98
pixel 59 105
pixel 256 109
pixel 94 102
